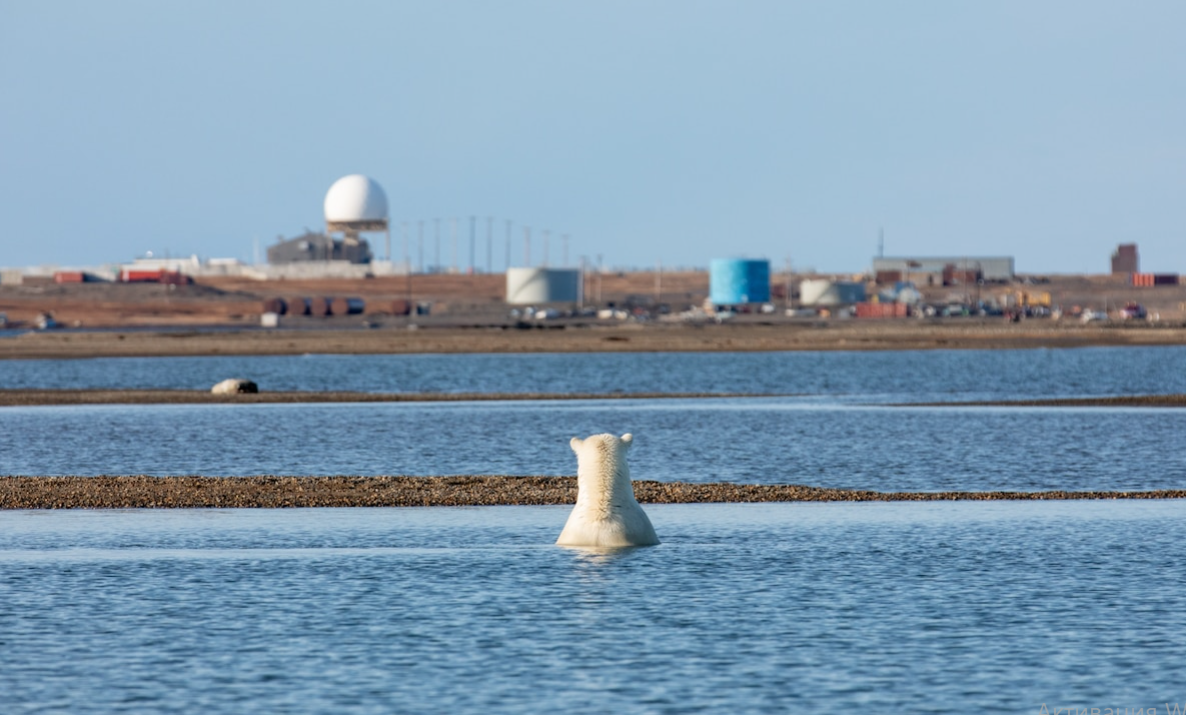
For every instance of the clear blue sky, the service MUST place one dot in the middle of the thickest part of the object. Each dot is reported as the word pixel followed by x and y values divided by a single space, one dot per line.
pixel 649 130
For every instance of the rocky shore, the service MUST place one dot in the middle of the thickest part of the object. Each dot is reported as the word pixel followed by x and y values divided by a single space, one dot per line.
pixel 197 492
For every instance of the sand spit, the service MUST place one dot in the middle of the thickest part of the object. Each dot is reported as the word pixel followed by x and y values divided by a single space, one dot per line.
pixel 31 397
pixel 740 336
pixel 190 492
pixel 1125 401
pixel 26 398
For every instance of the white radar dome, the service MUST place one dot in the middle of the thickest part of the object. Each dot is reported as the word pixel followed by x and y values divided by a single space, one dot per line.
pixel 355 198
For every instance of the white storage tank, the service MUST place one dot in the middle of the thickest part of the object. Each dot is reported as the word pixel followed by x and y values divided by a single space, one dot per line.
pixel 823 292
pixel 527 286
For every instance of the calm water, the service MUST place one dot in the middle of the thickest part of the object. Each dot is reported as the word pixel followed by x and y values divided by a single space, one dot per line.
pixel 751 440
pixel 894 376
pixel 886 608
pixel 963 607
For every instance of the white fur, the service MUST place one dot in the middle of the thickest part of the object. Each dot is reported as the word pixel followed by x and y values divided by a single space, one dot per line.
pixel 606 513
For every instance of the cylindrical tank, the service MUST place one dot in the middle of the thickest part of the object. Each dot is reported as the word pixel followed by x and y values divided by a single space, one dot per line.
pixel 347 306
pixel 526 286
pixel 735 281
pixel 823 292
pixel 298 305
pixel 320 307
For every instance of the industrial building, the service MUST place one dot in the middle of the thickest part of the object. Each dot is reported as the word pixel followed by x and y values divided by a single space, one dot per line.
pixel 312 246
pixel 932 270
pixel 1125 259
pixel 738 281
pixel 353 205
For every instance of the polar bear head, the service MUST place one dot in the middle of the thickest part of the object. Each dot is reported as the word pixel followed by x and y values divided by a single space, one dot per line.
pixel 603 454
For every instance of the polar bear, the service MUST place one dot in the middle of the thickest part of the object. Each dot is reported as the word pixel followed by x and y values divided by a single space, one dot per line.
pixel 606 513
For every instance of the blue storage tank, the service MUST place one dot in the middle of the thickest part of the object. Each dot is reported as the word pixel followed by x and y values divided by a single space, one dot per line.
pixel 735 281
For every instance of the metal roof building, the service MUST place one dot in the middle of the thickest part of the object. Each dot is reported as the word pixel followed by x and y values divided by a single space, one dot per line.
pixel 319 247
pixel 990 268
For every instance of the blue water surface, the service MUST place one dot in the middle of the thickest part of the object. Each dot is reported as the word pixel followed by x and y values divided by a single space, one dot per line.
pixel 746 440
pixel 883 607
pixel 887 608
pixel 943 375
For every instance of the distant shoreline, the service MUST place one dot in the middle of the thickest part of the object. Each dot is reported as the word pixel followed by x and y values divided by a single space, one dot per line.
pixel 271 492
pixel 741 336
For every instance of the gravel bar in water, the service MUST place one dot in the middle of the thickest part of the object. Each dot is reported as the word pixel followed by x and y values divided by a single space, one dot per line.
pixel 37 397
pixel 139 492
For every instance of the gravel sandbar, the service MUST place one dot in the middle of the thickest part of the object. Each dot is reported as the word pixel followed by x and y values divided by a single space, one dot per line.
pixel 196 492
pixel 1121 401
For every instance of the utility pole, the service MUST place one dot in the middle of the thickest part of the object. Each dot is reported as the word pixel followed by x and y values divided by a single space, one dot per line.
pixel 472 221
pixel 527 246
pixel 788 298
pixel 546 234
pixel 404 234
pixel 420 249
pixel 599 272
pixel 489 244
pixel 407 270
pixel 508 256
pixel 581 295
pixel 964 280
pixel 453 254
pixel 659 282
pixel 436 266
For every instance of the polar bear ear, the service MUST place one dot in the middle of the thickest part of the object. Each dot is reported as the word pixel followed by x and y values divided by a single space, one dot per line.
pixel 627 439
pixel 576 443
